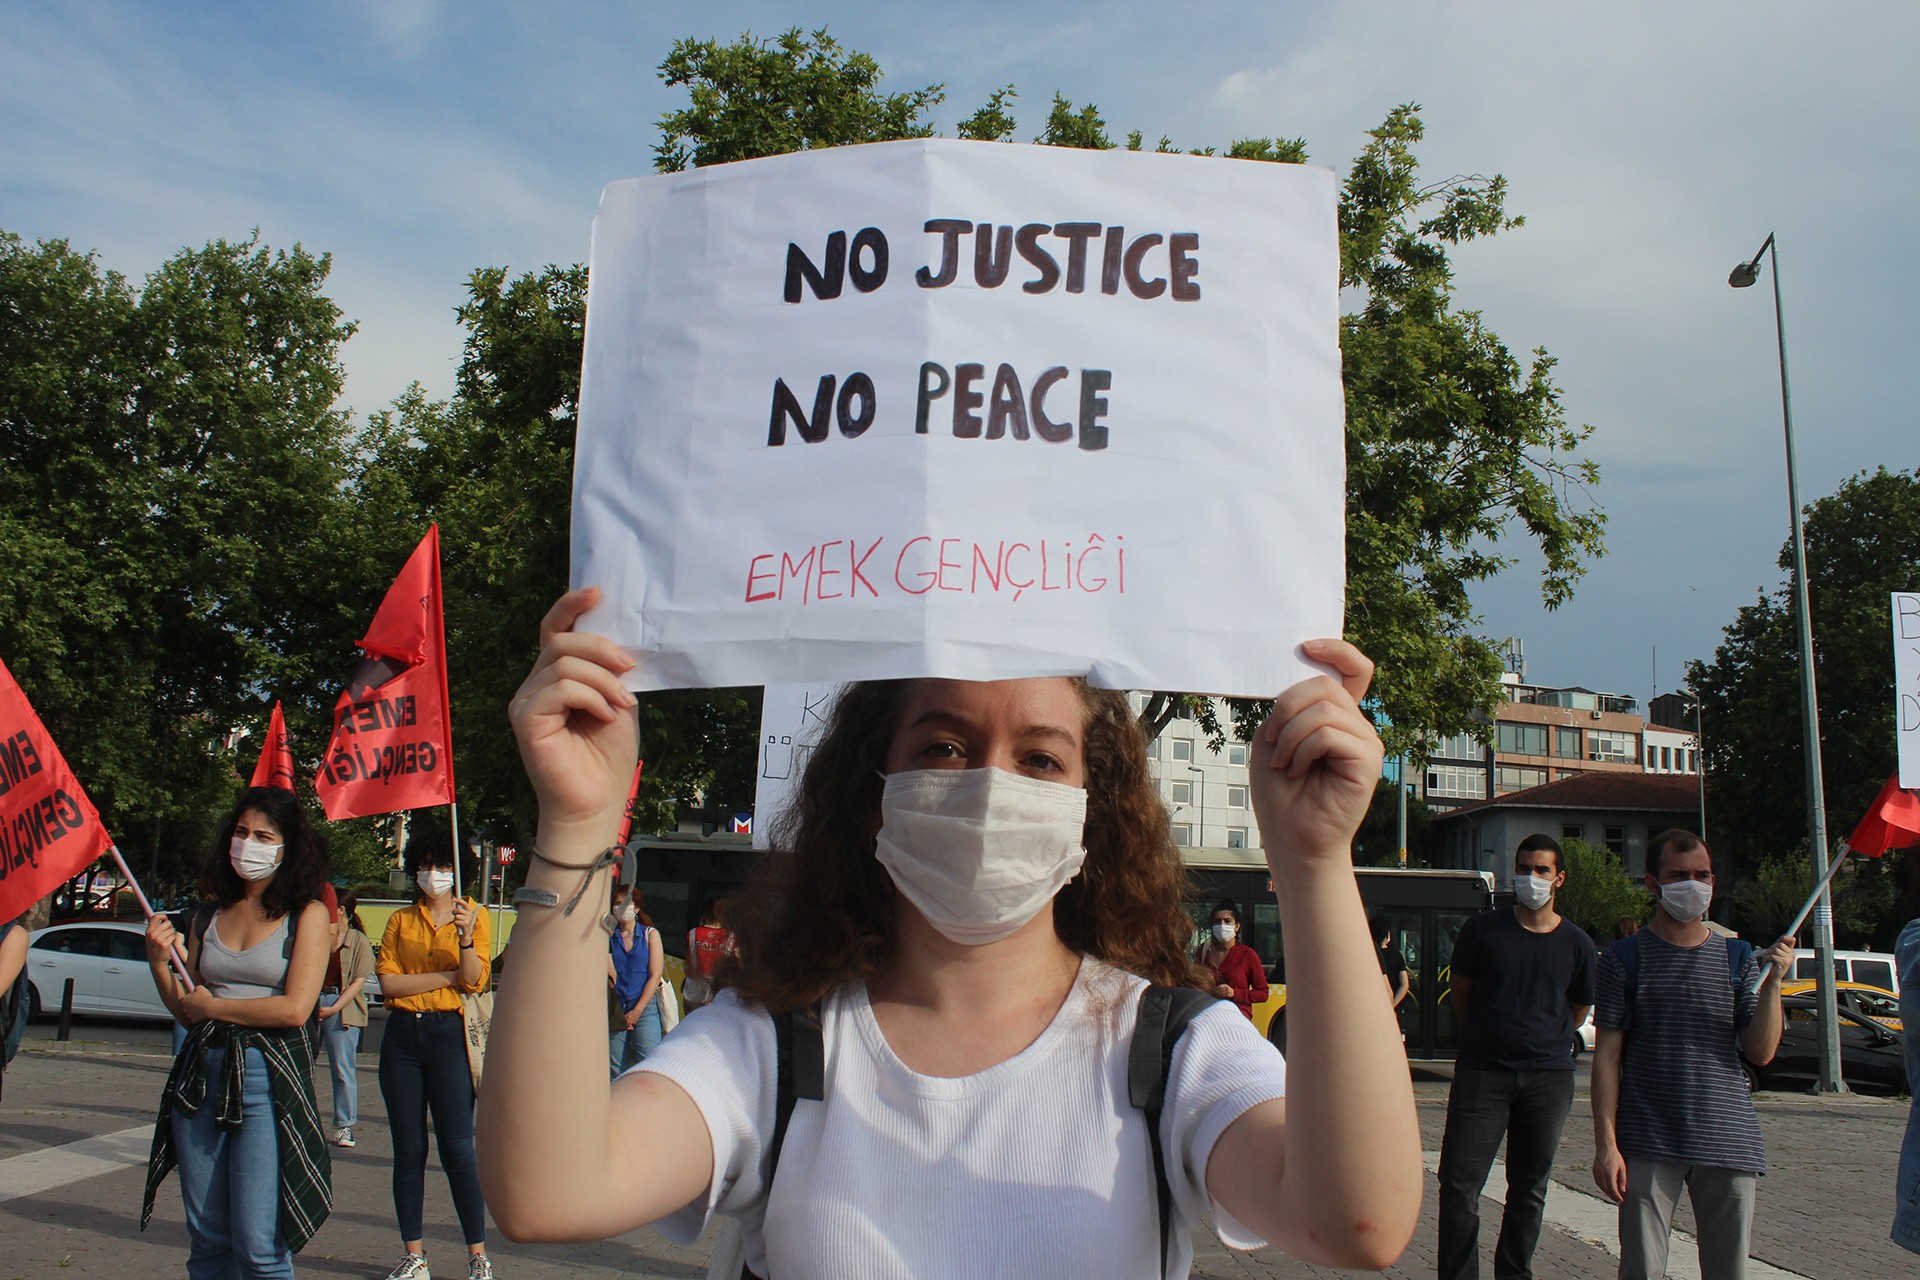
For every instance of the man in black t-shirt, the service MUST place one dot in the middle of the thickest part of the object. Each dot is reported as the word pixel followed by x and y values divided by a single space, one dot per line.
pixel 1522 983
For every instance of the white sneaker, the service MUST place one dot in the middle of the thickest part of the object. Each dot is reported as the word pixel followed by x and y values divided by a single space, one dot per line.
pixel 479 1267
pixel 412 1267
pixel 344 1138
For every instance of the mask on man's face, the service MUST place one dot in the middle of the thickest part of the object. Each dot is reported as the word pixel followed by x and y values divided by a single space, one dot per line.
pixel 1533 891
pixel 1686 900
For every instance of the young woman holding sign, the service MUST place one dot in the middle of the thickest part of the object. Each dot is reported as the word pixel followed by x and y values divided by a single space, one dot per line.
pixel 978 885
pixel 238 1114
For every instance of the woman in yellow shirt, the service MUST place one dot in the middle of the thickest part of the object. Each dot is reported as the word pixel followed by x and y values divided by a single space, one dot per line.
pixel 431 952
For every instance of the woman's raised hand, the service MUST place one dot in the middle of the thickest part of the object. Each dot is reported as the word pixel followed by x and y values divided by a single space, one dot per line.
pixel 1316 759
pixel 575 721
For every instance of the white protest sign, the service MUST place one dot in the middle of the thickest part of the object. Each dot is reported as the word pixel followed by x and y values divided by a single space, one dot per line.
pixel 1906 685
pixel 792 717
pixel 974 410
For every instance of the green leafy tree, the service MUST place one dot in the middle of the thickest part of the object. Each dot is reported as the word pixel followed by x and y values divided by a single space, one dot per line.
pixel 1863 543
pixel 1377 842
pixel 171 482
pixel 1598 891
pixel 1863 894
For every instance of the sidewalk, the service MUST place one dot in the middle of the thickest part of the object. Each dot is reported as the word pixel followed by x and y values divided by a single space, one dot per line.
pixel 1823 1213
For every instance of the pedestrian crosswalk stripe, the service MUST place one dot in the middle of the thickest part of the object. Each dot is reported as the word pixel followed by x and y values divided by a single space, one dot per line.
pixel 51 1167
pixel 1594 1221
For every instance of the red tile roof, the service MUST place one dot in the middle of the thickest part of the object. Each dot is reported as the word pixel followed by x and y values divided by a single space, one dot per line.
pixel 1650 792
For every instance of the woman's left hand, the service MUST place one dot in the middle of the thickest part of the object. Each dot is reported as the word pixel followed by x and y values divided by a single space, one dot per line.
pixel 196 1005
pixel 1316 759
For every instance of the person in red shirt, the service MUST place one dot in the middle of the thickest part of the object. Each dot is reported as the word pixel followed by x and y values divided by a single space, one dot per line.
pixel 705 947
pixel 1242 978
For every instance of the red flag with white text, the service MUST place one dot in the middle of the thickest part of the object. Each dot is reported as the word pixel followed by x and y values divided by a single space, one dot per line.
pixel 392 744
pixel 49 830
pixel 275 768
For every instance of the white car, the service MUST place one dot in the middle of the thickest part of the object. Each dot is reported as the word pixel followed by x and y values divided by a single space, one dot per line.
pixel 1584 1035
pixel 107 960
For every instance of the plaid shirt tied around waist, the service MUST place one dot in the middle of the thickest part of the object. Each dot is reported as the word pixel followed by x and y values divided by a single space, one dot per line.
pixel 306 1166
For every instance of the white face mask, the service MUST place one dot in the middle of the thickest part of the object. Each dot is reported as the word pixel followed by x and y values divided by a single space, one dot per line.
pixel 253 859
pixel 435 882
pixel 980 852
pixel 1223 933
pixel 1533 892
pixel 624 913
pixel 1686 900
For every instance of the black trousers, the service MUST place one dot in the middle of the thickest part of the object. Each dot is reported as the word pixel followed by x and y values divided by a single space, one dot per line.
pixel 1528 1108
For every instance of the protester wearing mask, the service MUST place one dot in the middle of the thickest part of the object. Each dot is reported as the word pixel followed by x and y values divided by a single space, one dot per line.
pixel 635 963
pixel 237 1114
pixel 1238 974
pixel 431 952
pixel 975 884
pixel 1522 983
pixel 1676 1008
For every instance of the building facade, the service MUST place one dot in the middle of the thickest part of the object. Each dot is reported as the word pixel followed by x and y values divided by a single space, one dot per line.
pixel 1205 790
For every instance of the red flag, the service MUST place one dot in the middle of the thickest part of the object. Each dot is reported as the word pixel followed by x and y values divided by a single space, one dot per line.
pixel 49 830
pixel 633 792
pixel 275 768
pixel 1892 822
pixel 392 744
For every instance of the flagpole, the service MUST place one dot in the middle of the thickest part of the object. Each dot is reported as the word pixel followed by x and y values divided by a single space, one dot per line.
pixel 174 953
pixel 1839 860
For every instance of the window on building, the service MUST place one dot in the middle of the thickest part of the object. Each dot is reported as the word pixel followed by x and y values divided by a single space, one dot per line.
pixel 1153 749
pixel 1456 782
pixel 1617 842
pixel 1686 764
pixel 1236 753
pixel 1509 777
pixel 1566 742
pixel 1236 797
pixel 1236 837
pixel 1183 835
pixel 1614 748
pixel 1666 759
pixel 1183 749
pixel 1521 739
pixel 1572 831
pixel 1652 760
pixel 1461 746
pixel 1180 792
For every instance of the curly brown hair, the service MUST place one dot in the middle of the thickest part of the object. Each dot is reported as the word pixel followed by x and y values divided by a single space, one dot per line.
pixel 819 909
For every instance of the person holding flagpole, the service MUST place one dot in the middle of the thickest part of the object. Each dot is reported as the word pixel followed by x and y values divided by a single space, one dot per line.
pixel 431 952
pixel 238 1114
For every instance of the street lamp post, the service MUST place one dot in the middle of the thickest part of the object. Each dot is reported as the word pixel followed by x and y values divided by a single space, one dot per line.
pixel 1201 804
pixel 1830 1081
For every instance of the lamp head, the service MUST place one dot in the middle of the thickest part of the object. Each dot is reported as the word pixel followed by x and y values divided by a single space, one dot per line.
pixel 1744 274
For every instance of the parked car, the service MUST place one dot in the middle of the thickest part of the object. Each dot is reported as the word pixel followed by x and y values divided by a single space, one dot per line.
pixel 1871 1057
pixel 107 961
pixel 1872 1003
pixel 1585 1035
pixel 1869 968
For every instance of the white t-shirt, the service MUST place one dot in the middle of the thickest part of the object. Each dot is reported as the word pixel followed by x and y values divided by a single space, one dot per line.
pixel 1038 1166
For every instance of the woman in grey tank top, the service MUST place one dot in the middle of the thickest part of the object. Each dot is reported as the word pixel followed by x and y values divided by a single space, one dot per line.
pixel 238 1113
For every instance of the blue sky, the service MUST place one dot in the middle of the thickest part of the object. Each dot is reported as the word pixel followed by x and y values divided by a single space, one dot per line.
pixel 1650 147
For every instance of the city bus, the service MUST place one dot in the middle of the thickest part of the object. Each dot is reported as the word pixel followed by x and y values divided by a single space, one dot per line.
pixel 1423 912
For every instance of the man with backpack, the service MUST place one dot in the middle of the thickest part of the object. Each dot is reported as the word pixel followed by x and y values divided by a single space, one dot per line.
pixel 1676 1009
pixel 1522 978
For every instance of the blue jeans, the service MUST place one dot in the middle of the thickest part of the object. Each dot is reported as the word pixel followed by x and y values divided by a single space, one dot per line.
pixel 1906 1214
pixel 230 1182
pixel 625 1048
pixel 1529 1110
pixel 423 1067
pixel 342 1044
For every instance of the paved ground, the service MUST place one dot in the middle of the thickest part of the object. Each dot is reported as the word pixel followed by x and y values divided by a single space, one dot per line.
pixel 1824 1211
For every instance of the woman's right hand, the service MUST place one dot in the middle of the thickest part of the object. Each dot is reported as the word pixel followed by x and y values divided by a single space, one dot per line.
pixel 574 721
pixel 161 937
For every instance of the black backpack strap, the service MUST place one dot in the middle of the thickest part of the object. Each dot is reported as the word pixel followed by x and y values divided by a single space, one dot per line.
pixel 800 1071
pixel 1162 1020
